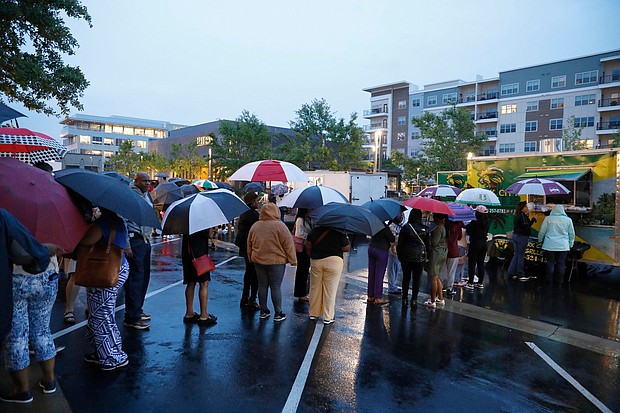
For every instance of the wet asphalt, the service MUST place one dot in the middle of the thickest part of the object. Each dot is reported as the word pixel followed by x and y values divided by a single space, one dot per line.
pixel 484 352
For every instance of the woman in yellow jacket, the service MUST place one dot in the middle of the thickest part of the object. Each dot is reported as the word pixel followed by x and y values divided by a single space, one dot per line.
pixel 270 248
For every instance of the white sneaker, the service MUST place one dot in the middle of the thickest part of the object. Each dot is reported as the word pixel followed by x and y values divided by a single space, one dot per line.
pixel 440 302
pixel 430 303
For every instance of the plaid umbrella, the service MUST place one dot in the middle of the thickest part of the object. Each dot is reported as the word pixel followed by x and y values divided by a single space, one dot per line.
pixel 28 146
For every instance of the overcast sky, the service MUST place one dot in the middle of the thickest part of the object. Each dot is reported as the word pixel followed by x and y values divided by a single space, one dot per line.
pixel 195 61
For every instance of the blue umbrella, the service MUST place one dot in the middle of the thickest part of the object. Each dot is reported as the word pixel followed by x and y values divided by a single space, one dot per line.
pixel 253 187
pixel 118 176
pixel 385 209
pixel 166 193
pixel 461 212
pixel 347 218
pixel 188 190
pixel 7 113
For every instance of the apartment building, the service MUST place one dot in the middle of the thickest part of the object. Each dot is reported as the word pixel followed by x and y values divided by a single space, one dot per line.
pixel 522 110
pixel 92 139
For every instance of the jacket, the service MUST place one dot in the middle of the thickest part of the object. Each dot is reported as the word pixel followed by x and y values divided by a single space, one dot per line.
pixel 522 224
pixel 478 229
pixel 269 241
pixel 410 247
pixel 557 232
pixel 246 220
pixel 455 233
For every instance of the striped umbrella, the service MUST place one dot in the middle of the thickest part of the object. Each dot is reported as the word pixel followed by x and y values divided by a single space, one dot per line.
pixel 312 197
pixel 28 146
pixel 205 184
pixel 439 190
pixel 537 186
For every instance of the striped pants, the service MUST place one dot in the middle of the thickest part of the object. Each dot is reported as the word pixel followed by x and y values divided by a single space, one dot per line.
pixel 102 332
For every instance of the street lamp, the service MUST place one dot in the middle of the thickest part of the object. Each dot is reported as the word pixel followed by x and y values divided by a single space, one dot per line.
pixel 417 179
pixel 210 165
pixel 377 138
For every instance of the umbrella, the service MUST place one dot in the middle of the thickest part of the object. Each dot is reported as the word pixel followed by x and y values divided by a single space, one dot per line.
pixel 428 204
pixel 179 181
pixel 188 190
pixel 28 146
pixel 346 218
pixel 312 197
pixel 439 190
pixel 201 211
pixel 461 212
pixel 205 184
pixel 41 204
pixel 161 175
pixel 166 193
pixel 279 189
pixel 478 196
pixel 385 209
pixel 109 193
pixel 253 187
pixel 118 176
pixel 536 186
pixel 224 185
pixel 269 170
pixel 7 113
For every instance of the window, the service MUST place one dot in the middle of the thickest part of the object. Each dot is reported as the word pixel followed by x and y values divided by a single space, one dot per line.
pixel 584 122
pixel 558 81
pixel 507 128
pixel 531 106
pixel 506 147
pixel 510 89
pixel 141 144
pixel 431 100
pixel 556 124
pixel 415 134
pixel 84 139
pixel 529 147
pixel 531 126
pixel 583 100
pixel 108 141
pixel 449 98
pixel 415 102
pixel 557 103
pixel 402 104
pixel 97 140
pixel 586 77
pixel 117 129
pixel 402 120
pixel 401 136
pixel 532 85
pixel 505 109
pixel 490 131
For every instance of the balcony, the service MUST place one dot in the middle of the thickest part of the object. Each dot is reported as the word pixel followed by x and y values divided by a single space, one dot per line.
pixel 609 103
pixel 374 126
pixel 487 117
pixel 382 111
pixel 613 125
pixel 488 96
pixel 607 79
pixel 487 152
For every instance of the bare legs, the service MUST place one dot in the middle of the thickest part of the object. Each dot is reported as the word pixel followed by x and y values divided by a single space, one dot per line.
pixel 436 288
pixel 203 297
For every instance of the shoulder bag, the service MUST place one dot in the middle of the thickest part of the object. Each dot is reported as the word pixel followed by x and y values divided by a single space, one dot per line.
pixel 202 264
pixel 418 255
pixel 98 265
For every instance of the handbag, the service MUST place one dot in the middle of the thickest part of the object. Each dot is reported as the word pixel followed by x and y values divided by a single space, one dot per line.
pixel 98 265
pixel 202 264
pixel 418 255
pixel 299 243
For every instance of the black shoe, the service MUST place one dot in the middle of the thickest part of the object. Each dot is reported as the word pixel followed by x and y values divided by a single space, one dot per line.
pixel 48 388
pixel 243 303
pixel 395 292
pixel 450 292
pixel 252 305
pixel 265 314
pixel 21 398
pixel 279 317
pixel 210 320
pixel 138 325
pixel 116 366
pixel 92 358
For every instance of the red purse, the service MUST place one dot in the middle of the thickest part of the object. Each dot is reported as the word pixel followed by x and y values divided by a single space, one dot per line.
pixel 202 264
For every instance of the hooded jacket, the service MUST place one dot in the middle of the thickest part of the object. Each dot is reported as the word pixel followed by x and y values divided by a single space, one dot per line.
pixel 557 232
pixel 269 241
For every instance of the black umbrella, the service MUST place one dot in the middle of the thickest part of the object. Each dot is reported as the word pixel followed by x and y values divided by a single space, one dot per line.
pixel 161 175
pixel 224 185
pixel 385 209
pixel 109 193
pixel 253 187
pixel 7 113
pixel 188 190
pixel 179 181
pixel 118 176
pixel 166 193
pixel 348 218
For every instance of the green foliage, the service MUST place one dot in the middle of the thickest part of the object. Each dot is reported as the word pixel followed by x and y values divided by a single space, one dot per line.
pixel 126 161
pixel 412 167
pixel 447 138
pixel 571 136
pixel 33 38
pixel 186 161
pixel 153 162
pixel 614 142
pixel 604 210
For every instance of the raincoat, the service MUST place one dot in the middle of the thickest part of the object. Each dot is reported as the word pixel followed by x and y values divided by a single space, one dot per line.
pixel 269 241
pixel 557 232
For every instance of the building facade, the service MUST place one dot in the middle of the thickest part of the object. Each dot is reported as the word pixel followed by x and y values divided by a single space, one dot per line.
pixel 522 110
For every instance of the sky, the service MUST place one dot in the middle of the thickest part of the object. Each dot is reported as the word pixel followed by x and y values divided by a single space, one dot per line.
pixel 195 61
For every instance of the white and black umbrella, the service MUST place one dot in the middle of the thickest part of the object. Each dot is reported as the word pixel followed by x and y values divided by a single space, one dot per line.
pixel 439 190
pixel 537 186
pixel 202 211
pixel 312 197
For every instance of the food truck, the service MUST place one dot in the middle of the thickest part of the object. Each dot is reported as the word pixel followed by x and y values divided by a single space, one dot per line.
pixel 590 175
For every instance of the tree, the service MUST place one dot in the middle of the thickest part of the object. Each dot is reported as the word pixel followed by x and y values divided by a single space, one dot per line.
pixel 186 161
pixel 153 162
pixel 447 138
pixel 33 38
pixel 571 136
pixel 614 142
pixel 126 161
pixel 412 167
pixel 245 140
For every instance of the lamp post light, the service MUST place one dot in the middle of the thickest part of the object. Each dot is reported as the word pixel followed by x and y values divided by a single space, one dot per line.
pixel 417 179
pixel 210 165
pixel 377 140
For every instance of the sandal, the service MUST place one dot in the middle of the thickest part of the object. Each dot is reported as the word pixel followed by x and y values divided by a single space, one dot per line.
pixel 211 319
pixel 192 319
pixel 69 317
pixel 370 300
pixel 380 301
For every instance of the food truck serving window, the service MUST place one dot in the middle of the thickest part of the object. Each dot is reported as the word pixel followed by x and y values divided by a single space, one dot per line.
pixel 578 181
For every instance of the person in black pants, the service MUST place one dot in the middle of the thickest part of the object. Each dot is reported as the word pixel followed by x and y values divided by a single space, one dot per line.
pixel 302 229
pixel 413 251
pixel 250 279
pixel 477 231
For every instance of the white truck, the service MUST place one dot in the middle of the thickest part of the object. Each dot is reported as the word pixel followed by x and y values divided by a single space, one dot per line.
pixel 358 187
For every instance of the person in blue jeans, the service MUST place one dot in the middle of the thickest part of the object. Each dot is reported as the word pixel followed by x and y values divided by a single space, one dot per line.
pixel 378 252
pixel 521 234
pixel 393 264
pixel 557 235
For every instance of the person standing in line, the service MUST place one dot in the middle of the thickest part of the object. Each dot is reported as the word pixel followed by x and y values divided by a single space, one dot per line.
pixel 378 252
pixel 393 264
pixel 477 231
pixel 439 255
pixel 302 228
pixel 270 248
pixel 139 257
pixel 26 302
pixel 557 235
pixel 325 246
pixel 194 246
pixel 520 237
pixel 250 280
pixel 101 331
pixel 413 251
pixel 448 271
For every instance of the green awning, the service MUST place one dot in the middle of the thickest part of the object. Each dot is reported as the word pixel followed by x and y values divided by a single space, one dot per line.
pixel 555 174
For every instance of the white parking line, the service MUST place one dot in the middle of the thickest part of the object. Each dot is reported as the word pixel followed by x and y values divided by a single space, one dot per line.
pixel 568 378
pixel 302 375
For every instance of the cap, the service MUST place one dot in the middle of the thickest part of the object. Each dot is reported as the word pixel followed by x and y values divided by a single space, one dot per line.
pixel 482 209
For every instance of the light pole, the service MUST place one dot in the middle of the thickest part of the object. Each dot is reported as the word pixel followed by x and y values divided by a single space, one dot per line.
pixel 417 179
pixel 210 165
pixel 377 137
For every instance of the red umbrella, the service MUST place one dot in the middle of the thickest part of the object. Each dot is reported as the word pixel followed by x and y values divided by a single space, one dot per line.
pixel 429 204
pixel 29 146
pixel 269 170
pixel 41 204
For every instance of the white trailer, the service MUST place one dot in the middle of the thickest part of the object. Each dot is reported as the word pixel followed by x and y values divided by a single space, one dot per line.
pixel 358 187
